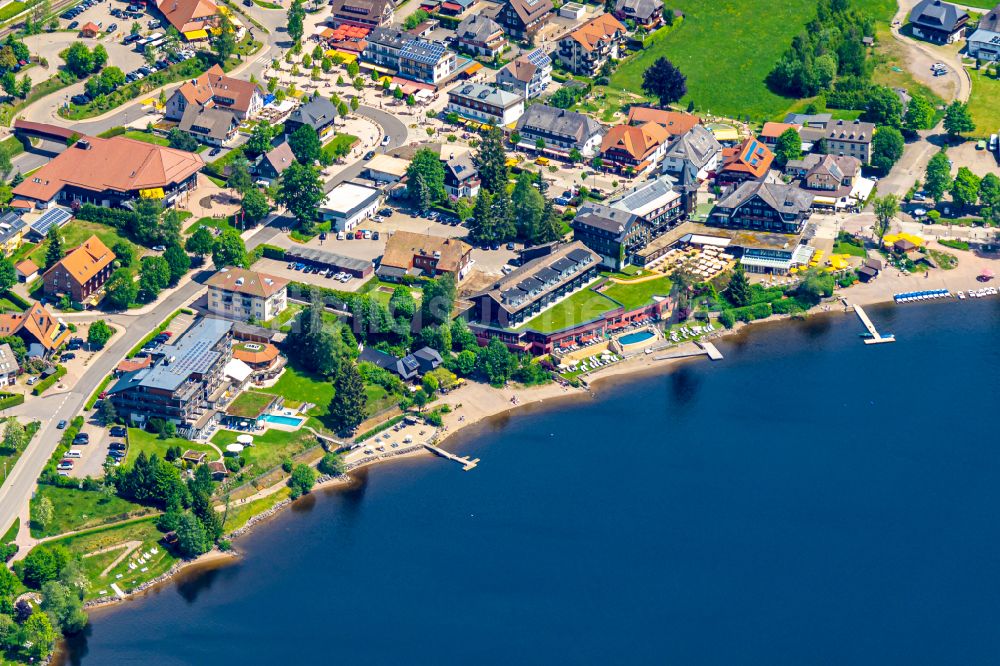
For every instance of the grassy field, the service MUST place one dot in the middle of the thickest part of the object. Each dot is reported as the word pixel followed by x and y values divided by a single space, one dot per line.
pixel 76 232
pixel 147 137
pixel 249 404
pixel 841 247
pixel 582 306
pixel 284 317
pixel 727 48
pixel 239 515
pixel 341 143
pixel 81 509
pixel 143 531
pixel 298 386
pixel 984 104
pixel 270 448
pixel 140 440
pixel 7 305
pixel 637 294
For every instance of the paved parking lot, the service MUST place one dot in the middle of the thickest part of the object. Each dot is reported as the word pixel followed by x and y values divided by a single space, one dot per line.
pixel 487 261
pixel 280 269
pixel 93 454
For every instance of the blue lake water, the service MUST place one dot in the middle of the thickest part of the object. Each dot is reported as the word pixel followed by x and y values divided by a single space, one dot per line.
pixel 808 500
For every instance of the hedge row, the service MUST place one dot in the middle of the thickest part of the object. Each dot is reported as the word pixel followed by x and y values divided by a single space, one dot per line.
pixel 746 314
pixel 97 392
pixel 273 252
pixel 47 383
pixel 18 300
pixel 11 400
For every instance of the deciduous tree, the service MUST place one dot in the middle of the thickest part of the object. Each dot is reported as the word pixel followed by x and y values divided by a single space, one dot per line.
pixel 885 209
pixel 99 333
pixel 300 192
pixel 788 147
pixel 229 250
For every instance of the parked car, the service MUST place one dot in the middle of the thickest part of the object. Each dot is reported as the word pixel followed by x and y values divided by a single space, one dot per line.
pixel 510 246
pixel 68 356
pixel 374 235
pixel 386 139
pixel 340 235
pixel 117 446
pixel 31 380
pixel 112 27
pixel 118 431
pixel 73 26
pixel 359 234
pixel 215 151
pixel 61 425
pixel 65 464
pixel 385 211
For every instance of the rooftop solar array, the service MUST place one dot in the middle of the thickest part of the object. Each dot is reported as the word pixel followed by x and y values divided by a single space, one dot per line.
pixel 539 58
pixel 427 53
pixel 54 217
pixel 191 354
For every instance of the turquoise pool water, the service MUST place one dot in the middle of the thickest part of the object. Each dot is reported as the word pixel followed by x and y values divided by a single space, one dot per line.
pixel 293 421
pixel 638 336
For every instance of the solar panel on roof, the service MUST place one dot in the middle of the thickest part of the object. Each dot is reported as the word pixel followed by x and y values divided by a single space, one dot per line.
pixel 52 217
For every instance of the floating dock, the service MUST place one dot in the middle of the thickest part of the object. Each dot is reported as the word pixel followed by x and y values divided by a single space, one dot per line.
pixel 872 337
pixel 466 462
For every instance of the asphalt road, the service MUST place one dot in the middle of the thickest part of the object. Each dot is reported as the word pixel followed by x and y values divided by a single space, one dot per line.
pixel 20 483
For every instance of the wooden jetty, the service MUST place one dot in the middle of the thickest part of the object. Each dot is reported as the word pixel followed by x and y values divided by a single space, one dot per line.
pixel 872 337
pixel 466 462
pixel 704 349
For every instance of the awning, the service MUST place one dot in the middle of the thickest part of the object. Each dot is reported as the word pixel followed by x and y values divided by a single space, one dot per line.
pixel 473 68
pixel 194 35
pixel 152 193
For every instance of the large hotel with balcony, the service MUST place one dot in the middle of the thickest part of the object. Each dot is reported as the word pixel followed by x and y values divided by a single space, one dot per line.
pixel 185 385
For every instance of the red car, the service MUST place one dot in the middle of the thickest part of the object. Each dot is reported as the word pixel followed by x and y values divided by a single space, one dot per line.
pixel 359 234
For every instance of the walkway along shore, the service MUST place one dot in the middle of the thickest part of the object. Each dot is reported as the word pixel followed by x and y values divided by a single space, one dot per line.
pixel 476 402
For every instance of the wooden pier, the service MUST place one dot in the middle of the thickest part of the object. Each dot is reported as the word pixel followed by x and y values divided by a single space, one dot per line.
pixel 704 349
pixel 466 462
pixel 873 335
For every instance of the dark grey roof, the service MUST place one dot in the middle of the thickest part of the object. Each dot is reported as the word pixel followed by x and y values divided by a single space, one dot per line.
pixel 936 14
pixel 317 112
pixel 607 218
pixel 698 146
pixel 482 93
pixel 390 37
pixel 544 118
pixel 779 196
pixel 641 9
pixel 991 21
pixel 329 258
pixel 855 131
pixel 193 353
pixel 477 28
pixel 546 275
pixel 809 119
pixel 405 367
pixel 213 122
pixel 462 167
pixel 428 355
pixel 511 290
pixel 10 224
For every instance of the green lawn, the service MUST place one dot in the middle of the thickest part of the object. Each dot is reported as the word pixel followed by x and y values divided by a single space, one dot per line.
pixel 727 48
pixel 984 104
pixel 840 247
pixel 340 144
pixel 79 509
pixel 281 321
pixel 298 386
pixel 249 404
pixel 582 306
pixel 238 516
pixel 78 231
pixel 637 294
pixel 144 531
pixel 270 448
pixel 221 223
pixel 147 137
pixel 140 440
pixel 7 305
pixel 12 532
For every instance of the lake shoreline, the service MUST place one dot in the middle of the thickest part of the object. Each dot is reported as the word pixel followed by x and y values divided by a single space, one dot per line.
pixel 477 404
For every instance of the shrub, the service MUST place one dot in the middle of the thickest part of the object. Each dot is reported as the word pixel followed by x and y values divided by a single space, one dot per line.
pixel 954 244
pixel 273 252
pixel 49 381
pixel 727 318
pixel 11 399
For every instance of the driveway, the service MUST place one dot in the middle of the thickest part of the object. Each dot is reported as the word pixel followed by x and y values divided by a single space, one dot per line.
pixel 920 56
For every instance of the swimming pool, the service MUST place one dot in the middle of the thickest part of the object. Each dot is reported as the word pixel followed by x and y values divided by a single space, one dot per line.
pixel 293 421
pixel 638 336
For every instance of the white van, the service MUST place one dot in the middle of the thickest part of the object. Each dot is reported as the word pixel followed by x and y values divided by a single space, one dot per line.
pixel 73 453
pixel 993 143
pixel 340 235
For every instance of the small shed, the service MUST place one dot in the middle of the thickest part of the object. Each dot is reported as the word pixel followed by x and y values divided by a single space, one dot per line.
pixel 866 273
pixel 26 271
pixel 194 457
pixel 90 29
pixel 572 10
pixel 218 469
pixel 903 246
